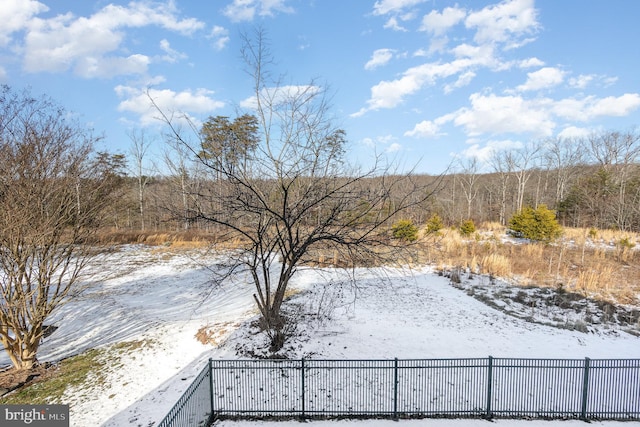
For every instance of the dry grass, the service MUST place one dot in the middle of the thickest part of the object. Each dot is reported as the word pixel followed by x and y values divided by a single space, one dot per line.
pixel 496 265
pixel 491 226
pixel 177 240
pixel 216 334
pixel 598 263
pixel 607 237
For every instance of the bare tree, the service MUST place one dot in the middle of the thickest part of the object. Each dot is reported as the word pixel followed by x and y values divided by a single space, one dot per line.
pixel 563 156
pixel 179 160
pixel 139 146
pixel 296 196
pixel 524 159
pixel 468 181
pixel 52 193
pixel 618 154
pixel 503 164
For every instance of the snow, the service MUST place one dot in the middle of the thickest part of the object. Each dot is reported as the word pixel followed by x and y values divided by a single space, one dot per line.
pixel 160 298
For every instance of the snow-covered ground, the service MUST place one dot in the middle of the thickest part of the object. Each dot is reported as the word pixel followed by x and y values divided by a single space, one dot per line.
pixel 159 299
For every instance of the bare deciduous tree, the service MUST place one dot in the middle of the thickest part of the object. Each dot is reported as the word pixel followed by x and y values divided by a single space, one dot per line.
pixel 502 163
pixel 139 146
pixel 468 181
pixel 618 154
pixel 563 156
pixel 524 159
pixel 295 195
pixel 52 193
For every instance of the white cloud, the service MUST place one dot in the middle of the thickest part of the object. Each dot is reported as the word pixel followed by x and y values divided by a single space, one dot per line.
pixel 438 45
pixel 420 53
pixel 185 103
pixel 570 108
pixel 484 153
pixel 390 94
pixel 614 106
pixel 479 55
pixel 368 142
pixel 574 132
pixel 394 148
pixel 424 129
pixel 80 43
pixel 379 58
pixel 464 79
pixel 392 24
pixel 105 67
pixel 543 78
pixel 220 37
pixel 276 95
pixel 506 22
pixel 382 143
pixel 581 81
pixel 590 107
pixel 502 22
pixel 152 81
pixel 171 55
pixel 491 114
pixel 246 10
pixel 584 80
pixel 15 15
pixel 530 63
pixel 429 128
pixel 438 23
pixel 241 10
pixel 384 7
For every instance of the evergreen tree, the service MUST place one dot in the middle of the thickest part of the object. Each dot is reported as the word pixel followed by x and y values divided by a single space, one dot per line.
pixel 406 230
pixel 535 224
pixel 434 224
pixel 467 228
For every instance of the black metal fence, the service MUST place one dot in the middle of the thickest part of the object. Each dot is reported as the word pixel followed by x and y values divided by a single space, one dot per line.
pixel 194 406
pixel 475 387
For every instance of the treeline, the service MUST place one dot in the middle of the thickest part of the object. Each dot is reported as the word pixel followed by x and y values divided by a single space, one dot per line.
pixel 591 182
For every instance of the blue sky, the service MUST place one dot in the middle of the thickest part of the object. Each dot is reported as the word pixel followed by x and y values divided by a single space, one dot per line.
pixel 426 81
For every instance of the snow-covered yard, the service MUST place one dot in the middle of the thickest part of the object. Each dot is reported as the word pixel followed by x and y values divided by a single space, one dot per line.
pixel 160 299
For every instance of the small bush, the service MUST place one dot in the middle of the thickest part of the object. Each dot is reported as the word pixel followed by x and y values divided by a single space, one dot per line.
pixel 535 224
pixel 467 228
pixel 625 243
pixel 405 230
pixel 434 224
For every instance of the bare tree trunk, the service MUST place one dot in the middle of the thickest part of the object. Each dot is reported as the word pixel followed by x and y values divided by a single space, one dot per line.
pixel 139 148
pixel 502 163
pixel 524 159
pixel 468 180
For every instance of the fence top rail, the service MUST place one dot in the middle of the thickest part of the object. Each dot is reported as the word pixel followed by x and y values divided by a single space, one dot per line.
pixel 451 359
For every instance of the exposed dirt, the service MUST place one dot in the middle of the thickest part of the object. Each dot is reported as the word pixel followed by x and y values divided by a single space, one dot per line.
pixel 12 379
pixel 548 306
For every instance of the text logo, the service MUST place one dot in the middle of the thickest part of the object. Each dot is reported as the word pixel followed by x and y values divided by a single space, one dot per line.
pixel 34 415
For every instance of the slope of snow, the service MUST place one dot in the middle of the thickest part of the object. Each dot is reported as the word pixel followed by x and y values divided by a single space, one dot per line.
pixel 160 300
